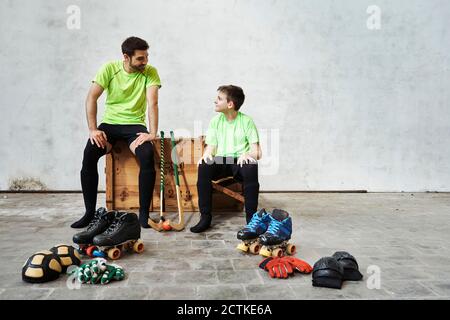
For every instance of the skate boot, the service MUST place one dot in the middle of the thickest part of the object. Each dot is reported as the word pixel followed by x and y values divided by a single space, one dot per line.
pixel 123 233
pixel 275 240
pixel 249 235
pixel 101 221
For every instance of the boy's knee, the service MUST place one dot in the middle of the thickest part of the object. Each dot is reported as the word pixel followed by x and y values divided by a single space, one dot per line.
pixel 249 170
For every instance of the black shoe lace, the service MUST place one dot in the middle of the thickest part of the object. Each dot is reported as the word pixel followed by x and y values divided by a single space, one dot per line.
pixel 113 226
pixel 93 223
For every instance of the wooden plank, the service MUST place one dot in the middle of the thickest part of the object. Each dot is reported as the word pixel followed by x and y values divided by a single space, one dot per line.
pixel 109 181
pixel 229 192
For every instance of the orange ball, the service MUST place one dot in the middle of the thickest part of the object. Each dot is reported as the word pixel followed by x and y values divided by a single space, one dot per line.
pixel 166 225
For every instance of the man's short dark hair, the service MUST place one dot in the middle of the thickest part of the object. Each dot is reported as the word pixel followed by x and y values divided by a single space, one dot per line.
pixel 235 94
pixel 133 43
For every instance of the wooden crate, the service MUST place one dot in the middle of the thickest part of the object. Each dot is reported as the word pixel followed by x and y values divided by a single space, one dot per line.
pixel 122 173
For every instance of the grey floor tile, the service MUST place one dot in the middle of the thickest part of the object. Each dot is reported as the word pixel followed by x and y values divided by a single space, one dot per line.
pixel 222 292
pixel 442 288
pixel 197 277
pixel 171 292
pixel 21 294
pixel 208 244
pixel 281 290
pixel 160 264
pixel 407 289
pixel 84 292
pixel 239 277
pixel 136 292
pixel 308 292
pixel 404 273
pixel 434 260
pixel 211 264
pixel 151 278
pixel 359 290
pixel 246 262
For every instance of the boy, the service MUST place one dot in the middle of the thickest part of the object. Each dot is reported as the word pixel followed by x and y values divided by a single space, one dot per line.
pixel 232 150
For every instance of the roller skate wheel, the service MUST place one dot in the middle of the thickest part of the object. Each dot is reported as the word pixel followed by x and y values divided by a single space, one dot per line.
pixel 254 248
pixel 242 246
pixel 265 252
pixel 114 253
pixel 98 254
pixel 291 249
pixel 277 253
pixel 138 246
pixel 90 251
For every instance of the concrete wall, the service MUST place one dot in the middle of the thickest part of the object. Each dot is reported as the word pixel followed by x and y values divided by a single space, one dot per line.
pixel 339 106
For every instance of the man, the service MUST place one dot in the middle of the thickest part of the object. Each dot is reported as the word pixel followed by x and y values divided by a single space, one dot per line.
pixel 131 84
pixel 232 149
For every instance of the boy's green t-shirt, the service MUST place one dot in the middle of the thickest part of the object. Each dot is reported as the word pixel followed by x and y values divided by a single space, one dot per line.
pixel 126 92
pixel 232 138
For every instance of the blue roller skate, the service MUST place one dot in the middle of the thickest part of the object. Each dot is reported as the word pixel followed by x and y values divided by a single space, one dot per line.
pixel 275 240
pixel 249 235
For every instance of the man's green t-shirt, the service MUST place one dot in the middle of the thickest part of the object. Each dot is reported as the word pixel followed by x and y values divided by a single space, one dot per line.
pixel 126 92
pixel 232 138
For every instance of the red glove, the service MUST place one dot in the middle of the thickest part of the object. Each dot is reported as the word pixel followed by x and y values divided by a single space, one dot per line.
pixel 297 264
pixel 276 267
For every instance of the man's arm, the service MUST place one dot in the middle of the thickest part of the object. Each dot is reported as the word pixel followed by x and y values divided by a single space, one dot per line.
pixel 152 102
pixel 95 135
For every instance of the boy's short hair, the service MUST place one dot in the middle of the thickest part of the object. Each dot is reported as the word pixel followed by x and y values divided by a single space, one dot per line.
pixel 235 94
pixel 133 43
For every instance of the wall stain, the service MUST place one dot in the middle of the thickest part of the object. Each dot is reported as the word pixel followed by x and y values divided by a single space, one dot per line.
pixel 29 184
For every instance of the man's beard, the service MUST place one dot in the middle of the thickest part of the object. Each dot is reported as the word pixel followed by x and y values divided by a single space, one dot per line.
pixel 138 67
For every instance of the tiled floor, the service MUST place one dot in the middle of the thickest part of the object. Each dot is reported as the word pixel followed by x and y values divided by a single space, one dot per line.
pixel 404 236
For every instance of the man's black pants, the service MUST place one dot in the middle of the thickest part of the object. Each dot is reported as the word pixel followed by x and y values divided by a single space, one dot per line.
pixel 144 153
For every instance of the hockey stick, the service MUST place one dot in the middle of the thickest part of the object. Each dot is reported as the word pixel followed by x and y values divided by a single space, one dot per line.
pixel 180 225
pixel 159 226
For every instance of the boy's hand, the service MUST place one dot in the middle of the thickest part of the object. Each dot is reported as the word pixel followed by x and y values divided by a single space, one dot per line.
pixel 245 159
pixel 205 158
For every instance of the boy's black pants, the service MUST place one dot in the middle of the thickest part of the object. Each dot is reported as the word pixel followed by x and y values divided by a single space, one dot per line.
pixel 223 167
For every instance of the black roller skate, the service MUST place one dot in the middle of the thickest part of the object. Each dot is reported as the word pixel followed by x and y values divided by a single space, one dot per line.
pixel 275 240
pixel 84 239
pixel 123 233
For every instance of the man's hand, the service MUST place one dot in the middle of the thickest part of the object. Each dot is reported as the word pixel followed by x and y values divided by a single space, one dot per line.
pixel 142 137
pixel 245 159
pixel 205 158
pixel 99 137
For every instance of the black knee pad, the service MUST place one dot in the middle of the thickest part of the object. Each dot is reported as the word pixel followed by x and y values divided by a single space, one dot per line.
pixel 327 272
pixel 348 262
